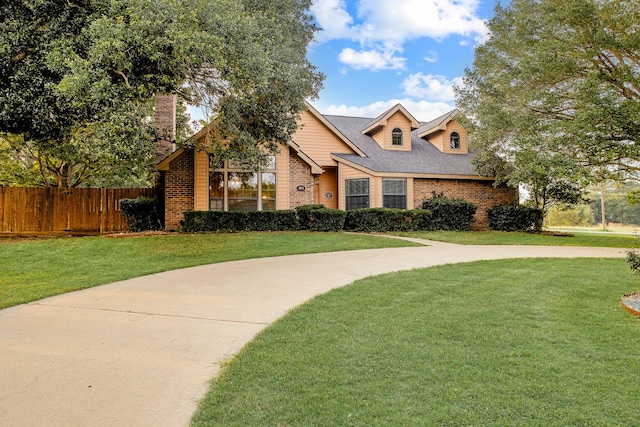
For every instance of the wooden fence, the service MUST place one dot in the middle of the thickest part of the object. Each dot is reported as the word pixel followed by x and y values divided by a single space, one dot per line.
pixel 35 210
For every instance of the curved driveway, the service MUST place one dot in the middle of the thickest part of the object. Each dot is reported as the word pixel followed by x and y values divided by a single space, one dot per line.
pixel 140 352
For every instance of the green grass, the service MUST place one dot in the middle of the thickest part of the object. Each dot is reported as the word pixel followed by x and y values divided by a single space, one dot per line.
pixel 35 269
pixel 503 238
pixel 538 342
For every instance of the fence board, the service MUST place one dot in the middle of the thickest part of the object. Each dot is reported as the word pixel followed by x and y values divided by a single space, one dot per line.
pixel 71 210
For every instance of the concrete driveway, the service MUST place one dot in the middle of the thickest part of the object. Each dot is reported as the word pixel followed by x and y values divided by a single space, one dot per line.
pixel 141 352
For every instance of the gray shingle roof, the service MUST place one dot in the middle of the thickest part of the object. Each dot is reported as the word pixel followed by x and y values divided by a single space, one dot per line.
pixel 424 158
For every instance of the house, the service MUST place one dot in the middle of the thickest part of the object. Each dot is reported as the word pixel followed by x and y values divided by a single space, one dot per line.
pixel 346 163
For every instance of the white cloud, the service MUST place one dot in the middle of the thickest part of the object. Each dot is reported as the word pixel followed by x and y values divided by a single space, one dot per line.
pixel 431 87
pixel 373 59
pixel 396 22
pixel 333 18
pixel 421 110
pixel 432 56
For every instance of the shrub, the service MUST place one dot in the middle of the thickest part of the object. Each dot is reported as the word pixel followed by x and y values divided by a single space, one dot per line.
pixel 514 218
pixel 304 213
pixel 218 221
pixel 141 213
pixel 382 220
pixel 450 214
pixel 326 219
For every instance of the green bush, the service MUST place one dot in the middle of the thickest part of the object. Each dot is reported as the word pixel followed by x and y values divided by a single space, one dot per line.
pixel 225 222
pixel 304 213
pixel 141 213
pixel 326 219
pixel 450 214
pixel 514 218
pixel 382 220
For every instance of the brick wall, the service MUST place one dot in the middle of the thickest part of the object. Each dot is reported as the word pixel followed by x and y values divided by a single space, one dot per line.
pixel 300 175
pixel 178 191
pixel 482 193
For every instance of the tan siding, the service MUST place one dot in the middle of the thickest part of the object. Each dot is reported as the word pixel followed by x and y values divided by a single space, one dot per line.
pixel 318 142
pixel 201 181
pixel 378 136
pixel 454 126
pixel 436 139
pixel 329 184
pixel 410 200
pixel 282 179
pixel 398 120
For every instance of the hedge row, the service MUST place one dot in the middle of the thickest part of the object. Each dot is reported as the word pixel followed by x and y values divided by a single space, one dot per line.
pixel 226 222
pixel 141 213
pixel 450 214
pixel 515 218
pixel 438 213
pixel 382 220
pixel 308 217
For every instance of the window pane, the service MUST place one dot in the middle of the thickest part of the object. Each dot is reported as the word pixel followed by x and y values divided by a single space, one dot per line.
pixel 396 136
pixel 271 162
pixel 243 191
pixel 357 193
pixel 394 202
pixel 394 193
pixel 268 191
pixel 454 140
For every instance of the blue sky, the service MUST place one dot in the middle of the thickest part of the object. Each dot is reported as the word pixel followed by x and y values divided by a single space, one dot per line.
pixel 376 53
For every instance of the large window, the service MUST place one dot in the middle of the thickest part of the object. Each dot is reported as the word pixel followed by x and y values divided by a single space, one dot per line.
pixel 231 188
pixel 454 141
pixel 396 136
pixel 357 193
pixel 394 193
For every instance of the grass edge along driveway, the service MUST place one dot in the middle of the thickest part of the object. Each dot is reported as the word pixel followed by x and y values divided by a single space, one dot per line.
pixel 535 342
pixel 39 268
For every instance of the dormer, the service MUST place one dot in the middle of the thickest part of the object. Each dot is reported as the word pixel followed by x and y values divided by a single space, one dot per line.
pixel 392 129
pixel 446 134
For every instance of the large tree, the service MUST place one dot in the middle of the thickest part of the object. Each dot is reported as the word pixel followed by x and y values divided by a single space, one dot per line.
pixel 76 76
pixel 556 90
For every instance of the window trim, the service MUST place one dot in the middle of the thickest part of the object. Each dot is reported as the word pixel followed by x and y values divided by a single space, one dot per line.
pixel 454 141
pixel 404 193
pixel 347 196
pixel 227 168
pixel 397 137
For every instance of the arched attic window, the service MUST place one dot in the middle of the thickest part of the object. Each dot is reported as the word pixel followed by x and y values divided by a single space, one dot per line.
pixel 396 136
pixel 454 141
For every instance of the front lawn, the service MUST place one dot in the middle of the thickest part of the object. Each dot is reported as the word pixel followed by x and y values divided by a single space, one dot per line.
pixel 536 342
pixel 35 269
pixel 503 238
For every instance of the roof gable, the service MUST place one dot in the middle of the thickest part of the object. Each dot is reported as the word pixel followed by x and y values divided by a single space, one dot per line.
pixel 381 120
pixel 438 124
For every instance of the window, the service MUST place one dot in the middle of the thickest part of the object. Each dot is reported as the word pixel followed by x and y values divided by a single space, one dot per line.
pixel 216 191
pixel 243 191
pixel 394 193
pixel 357 193
pixel 233 188
pixel 454 141
pixel 396 136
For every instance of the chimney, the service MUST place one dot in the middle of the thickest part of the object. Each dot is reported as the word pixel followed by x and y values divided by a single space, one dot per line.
pixel 165 119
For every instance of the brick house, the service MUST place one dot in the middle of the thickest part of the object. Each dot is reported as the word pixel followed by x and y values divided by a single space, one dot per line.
pixel 342 162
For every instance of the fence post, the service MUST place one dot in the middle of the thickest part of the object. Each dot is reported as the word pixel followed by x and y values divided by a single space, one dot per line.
pixel 103 204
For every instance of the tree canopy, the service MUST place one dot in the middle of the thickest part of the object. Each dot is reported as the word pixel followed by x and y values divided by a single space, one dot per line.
pixel 555 93
pixel 77 77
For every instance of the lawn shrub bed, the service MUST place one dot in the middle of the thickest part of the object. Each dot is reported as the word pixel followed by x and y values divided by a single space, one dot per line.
pixel 304 214
pixel 514 218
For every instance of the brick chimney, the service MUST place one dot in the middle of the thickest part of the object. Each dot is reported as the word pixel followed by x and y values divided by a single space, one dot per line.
pixel 165 119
